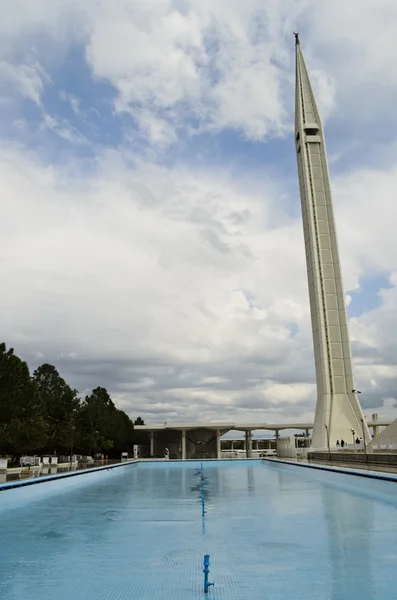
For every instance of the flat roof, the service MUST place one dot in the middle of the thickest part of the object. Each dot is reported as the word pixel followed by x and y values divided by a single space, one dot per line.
pixel 241 426
pixel 228 426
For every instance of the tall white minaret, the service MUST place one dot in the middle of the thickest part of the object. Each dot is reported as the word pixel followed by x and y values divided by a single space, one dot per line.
pixel 338 411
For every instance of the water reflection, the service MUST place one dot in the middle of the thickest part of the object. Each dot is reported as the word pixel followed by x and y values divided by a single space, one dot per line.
pixel 250 479
pixel 349 522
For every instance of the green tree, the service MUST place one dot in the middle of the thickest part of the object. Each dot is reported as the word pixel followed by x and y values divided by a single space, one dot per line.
pixel 43 413
pixel 98 421
pixel 124 429
pixel 61 406
pixel 22 414
pixel 139 421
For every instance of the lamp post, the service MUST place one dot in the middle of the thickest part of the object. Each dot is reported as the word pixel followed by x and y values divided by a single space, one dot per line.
pixel 363 430
pixel 72 429
pixel 329 447
pixel 364 441
pixel 353 434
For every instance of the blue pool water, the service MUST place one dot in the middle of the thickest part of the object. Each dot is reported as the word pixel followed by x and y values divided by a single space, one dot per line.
pixel 273 531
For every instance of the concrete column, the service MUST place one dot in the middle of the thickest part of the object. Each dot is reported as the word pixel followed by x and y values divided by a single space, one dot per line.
pixel 307 432
pixel 375 428
pixel 231 445
pixel 248 444
pixel 152 440
pixel 218 444
pixel 183 444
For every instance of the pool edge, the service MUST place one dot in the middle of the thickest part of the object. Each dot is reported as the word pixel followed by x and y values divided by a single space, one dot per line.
pixel 346 471
pixel 10 485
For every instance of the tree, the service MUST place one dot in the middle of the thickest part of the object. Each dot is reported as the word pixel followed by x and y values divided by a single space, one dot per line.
pixel 98 421
pixel 61 406
pixel 124 430
pixel 43 413
pixel 22 415
pixel 139 421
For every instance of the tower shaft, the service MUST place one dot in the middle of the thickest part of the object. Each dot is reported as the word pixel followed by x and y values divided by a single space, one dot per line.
pixel 337 411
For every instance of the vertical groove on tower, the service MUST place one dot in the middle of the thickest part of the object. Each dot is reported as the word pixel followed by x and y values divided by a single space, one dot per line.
pixel 320 268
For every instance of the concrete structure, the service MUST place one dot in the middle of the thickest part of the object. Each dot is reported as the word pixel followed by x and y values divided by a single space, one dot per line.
pixel 373 460
pixel 203 440
pixel 375 430
pixel 186 440
pixel 338 411
pixel 386 440
pixel 238 443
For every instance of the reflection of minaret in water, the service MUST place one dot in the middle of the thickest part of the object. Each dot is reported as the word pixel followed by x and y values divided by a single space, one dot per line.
pixel 349 522
pixel 250 479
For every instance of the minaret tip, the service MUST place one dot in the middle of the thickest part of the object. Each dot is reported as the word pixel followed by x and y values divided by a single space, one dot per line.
pixel 297 42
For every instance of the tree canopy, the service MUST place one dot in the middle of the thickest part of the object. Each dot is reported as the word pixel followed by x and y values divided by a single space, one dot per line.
pixel 43 414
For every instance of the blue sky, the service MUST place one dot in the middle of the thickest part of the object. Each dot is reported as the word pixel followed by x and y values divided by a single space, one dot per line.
pixel 151 218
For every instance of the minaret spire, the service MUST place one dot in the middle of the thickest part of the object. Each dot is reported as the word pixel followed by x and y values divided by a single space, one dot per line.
pixel 337 411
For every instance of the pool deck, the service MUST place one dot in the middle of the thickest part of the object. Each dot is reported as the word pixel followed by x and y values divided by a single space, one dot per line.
pixel 43 478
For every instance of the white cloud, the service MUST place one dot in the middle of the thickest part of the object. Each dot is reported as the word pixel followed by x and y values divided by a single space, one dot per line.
pixel 119 275
pixel 202 60
pixel 25 79
pixel 124 273
pixel 72 100
pixel 62 128
pixel 366 214
pixel 214 65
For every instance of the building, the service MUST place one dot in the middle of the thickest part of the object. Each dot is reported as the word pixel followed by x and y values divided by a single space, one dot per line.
pixel 338 411
pixel 385 440
pixel 203 440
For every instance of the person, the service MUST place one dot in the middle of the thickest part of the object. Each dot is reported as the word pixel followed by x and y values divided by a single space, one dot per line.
pixel 342 443
pixel 337 443
pixel 357 440
pixel 166 454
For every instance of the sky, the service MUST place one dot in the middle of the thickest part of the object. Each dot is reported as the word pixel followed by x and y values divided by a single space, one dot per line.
pixel 150 236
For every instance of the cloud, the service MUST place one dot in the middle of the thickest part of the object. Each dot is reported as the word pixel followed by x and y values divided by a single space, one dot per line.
pixel 200 63
pixel 170 323
pixel 62 128
pixel 182 66
pixel 148 268
pixel 72 100
pixel 27 80
pixel 367 245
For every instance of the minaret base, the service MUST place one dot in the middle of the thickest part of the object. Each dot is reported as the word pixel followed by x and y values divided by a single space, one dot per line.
pixel 338 423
